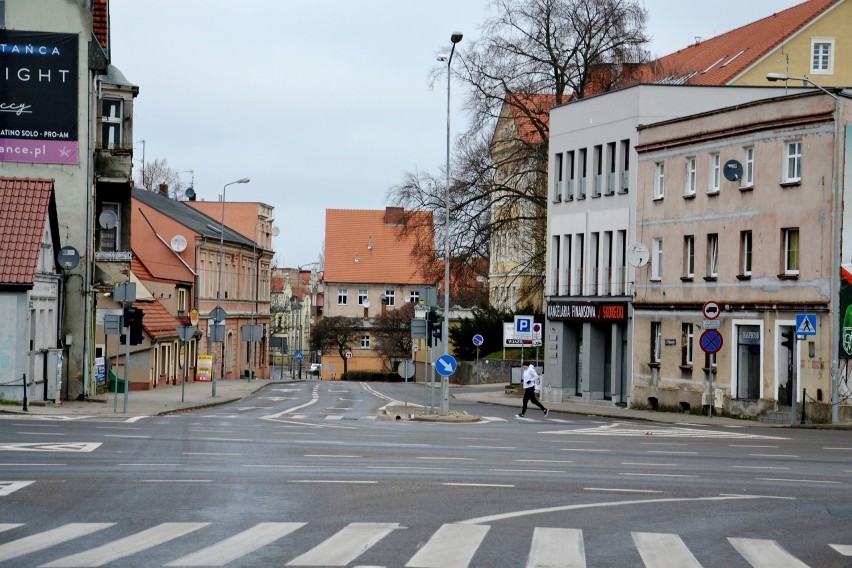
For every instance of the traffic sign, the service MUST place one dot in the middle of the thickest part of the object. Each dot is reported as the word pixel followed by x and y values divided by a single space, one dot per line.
pixel 711 341
pixel 523 325
pixel 711 324
pixel 299 356
pixel 711 310
pixel 446 365
pixel 348 354
pixel 218 314
pixel 478 340
pixel 405 369
pixel 805 324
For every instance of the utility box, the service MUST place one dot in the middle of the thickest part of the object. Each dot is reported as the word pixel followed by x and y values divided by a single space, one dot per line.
pixel 55 362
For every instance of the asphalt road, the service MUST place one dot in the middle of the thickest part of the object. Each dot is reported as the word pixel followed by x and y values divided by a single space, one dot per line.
pixel 309 474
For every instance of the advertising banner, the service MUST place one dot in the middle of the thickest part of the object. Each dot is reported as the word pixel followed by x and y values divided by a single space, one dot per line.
pixel 38 97
pixel 204 368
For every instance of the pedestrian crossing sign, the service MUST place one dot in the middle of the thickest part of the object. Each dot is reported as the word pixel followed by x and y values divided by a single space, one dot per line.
pixel 805 324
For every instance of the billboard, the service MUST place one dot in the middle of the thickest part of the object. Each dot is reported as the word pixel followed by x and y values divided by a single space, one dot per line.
pixel 38 97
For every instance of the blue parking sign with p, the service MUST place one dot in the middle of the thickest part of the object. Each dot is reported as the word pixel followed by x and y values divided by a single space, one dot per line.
pixel 523 324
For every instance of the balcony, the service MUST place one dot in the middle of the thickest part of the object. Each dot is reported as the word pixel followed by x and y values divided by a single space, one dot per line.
pixel 114 163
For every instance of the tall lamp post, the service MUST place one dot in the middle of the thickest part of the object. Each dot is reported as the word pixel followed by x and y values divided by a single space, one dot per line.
pixel 219 287
pixel 834 304
pixel 455 38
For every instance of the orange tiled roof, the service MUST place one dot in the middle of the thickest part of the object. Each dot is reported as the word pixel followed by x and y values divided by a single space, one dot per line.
pixel 361 247
pixel 538 107
pixel 719 60
pixel 100 21
pixel 158 322
pixel 24 206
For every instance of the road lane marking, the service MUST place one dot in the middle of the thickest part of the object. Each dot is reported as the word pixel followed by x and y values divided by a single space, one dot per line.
pixel 771 456
pixel 346 545
pixel 545 461
pixel 237 546
pixel 799 480
pixel 618 490
pixel 751 446
pixel 670 452
pixel 331 456
pixel 758 467
pixel 765 553
pixel 650 464
pixel 444 458
pixel 9 487
pixel 127 436
pixel 406 467
pixel 528 470
pixel 553 547
pixel 582 450
pixel 844 549
pixel 657 474
pixel 51 447
pixel 659 550
pixel 356 481
pixel 127 546
pixel 46 539
pixel 580 506
pixel 210 454
pixel 452 546
pixel 492 447
pixel 176 480
pixel 451 484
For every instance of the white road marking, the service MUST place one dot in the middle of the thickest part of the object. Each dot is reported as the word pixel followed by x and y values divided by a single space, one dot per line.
pixel 239 545
pixel 658 475
pixel 9 487
pixel 452 546
pixel 765 553
pixel 332 456
pixel 798 480
pixel 444 458
pixel 346 545
pixel 545 461
pixel 659 550
pixel 617 490
pixel 449 484
pixel 46 539
pixel 650 464
pixel 844 549
pixel 54 447
pixel 355 481
pixel 556 548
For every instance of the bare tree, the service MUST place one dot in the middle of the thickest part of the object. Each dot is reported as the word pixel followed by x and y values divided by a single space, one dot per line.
pixel 392 331
pixel 336 333
pixel 157 172
pixel 532 56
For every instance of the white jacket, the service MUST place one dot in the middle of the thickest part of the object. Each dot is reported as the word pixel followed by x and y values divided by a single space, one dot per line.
pixel 530 377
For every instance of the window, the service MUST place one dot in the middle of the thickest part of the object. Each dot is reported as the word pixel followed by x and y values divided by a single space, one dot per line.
pixel 715 173
pixel 625 165
pixel 748 167
pixel 712 255
pixel 569 188
pixel 686 341
pixel 656 342
pixel 688 256
pixel 558 183
pixel 365 342
pixel 181 300
pixel 657 259
pixel 389 297
pixel 110 239
pixel 745 253
pixel 791 251
pixel 822 60
pixel 793 171
pixel 659 180
pixel 111 118
pixel 597 169
pixel 582 166
pixel 414 296
pixel 690 177
pixel 610 168
pixel 341 296
pixel 362 297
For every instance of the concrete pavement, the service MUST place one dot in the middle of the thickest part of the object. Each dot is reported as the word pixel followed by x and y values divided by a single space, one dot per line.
pixel 176 398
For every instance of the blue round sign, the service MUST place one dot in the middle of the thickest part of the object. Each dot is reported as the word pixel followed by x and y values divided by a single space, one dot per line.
pixel 711 341
pixel 478 340
pixel 446 365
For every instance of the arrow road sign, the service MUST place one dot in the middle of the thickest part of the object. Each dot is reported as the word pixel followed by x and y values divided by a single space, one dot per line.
pixel 446 365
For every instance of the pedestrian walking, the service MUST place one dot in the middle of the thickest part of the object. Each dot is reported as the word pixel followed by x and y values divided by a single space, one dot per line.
pixel 530 380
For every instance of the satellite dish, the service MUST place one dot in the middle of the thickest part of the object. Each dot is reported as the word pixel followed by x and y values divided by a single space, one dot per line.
pixel 366 303
pixel 178 243
pixel 108 219
pixel 637 255
pixel 275 231
pixel 68 258
pixel 189 193
pixel 733 170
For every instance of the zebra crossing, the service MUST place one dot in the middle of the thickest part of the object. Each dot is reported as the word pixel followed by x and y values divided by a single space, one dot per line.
pixel 453 545
pixel 629 430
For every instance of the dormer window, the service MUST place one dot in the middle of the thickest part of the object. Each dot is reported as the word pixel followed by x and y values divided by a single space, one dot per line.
pixel 111 119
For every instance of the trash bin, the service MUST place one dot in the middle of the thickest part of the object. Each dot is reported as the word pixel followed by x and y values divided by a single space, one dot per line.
pixel 116 384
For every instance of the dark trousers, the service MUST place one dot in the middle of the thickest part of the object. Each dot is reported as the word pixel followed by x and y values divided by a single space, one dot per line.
pixel 529 396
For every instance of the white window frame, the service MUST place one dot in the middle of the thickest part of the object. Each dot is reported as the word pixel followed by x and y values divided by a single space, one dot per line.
pixel 690 176
pixel 793 161
pixel 659 180
pixel 115 232
pixel 365 342
pixel 390 297
pixel 559 171
pixel 687 339
pixel 746 253
pixel 748 167
pixel 181 300
pixel 713 255
pixel 689 256
pixel 822 56
pixel 363 296
pixel 414 296
pixel 112 118
pixel 792 258
pixel 656 342
pixel 657 259
pixel 342 296
pixel 714 175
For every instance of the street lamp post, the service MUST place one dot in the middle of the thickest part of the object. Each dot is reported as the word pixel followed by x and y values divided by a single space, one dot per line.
pixel 834 283
pixel 454 38
pixel 219 287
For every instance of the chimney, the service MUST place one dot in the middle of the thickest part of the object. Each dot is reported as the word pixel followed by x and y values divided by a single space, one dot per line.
pixel 394 215
pixel 164 189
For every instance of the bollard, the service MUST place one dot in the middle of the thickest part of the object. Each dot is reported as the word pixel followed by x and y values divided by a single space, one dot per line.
pixel 25 409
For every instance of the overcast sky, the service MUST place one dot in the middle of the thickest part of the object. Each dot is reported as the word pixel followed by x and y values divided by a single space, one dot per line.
pixel 322 104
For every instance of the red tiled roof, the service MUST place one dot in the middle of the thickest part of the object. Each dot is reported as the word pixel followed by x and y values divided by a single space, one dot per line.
pixel 719 60
pixel 361 247
pixel 157 322
pixel 100 22
pixel 24 207
pixel 531 111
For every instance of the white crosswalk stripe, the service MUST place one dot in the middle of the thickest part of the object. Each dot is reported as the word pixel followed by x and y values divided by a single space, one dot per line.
pixel 623 430
pixel 453 545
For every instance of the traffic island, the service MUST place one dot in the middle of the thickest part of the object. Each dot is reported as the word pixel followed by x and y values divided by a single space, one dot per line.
pixel 413 413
